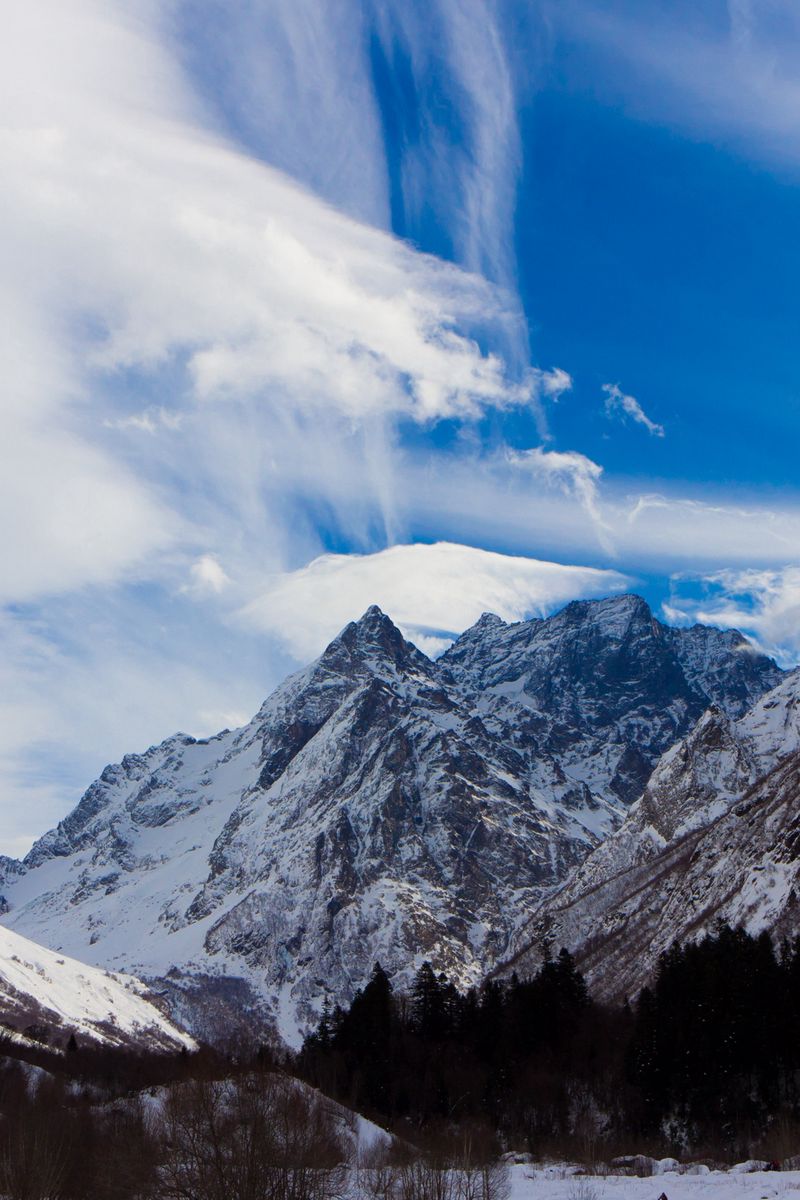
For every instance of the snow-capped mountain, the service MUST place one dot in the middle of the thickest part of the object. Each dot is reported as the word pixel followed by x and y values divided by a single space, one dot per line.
pixel 378 806
pixel 715 836
pixel 41 988
pixel 604 686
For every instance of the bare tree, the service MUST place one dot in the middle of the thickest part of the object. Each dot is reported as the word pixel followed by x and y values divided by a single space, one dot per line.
pixel 477 1172
pixel 34 1158
pixel 376 1171
pixel 455 1165
pixel 255 1137
pixel 127 1166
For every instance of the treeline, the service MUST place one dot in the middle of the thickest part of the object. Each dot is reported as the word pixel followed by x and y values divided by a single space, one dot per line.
pixel 706 1063
pixel 716 1042
pixel 707 1060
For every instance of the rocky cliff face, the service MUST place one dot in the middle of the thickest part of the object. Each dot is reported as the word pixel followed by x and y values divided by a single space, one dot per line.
pixel 378 806
pixel 605 686
pixel 713 837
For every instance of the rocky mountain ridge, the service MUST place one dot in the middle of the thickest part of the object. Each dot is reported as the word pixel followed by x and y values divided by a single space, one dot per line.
pixel 604 685
pixel 715 837
pixel 379 805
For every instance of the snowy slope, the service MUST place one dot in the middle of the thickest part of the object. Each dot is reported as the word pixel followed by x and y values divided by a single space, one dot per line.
pixel 365 813
pixel 378 806
pixel 40 986
pixel 714 837
pixel 528 1183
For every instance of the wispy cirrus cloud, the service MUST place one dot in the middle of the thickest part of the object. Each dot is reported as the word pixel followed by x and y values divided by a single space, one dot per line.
pixel 618 404
pixel 571 473
pixel 511 503
pixel 726 72
pixel 405 115
pixel 145 255
pixel 291 80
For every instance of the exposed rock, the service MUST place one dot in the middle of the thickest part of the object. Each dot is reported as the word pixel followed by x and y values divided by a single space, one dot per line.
pixel 715 837
pixel 378 806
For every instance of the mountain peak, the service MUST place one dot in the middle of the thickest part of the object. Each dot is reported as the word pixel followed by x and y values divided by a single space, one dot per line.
pixel 373 617
pixel 630 601
pixel 374 630
pixel 629 604
pixel 373 639
pixel 488 620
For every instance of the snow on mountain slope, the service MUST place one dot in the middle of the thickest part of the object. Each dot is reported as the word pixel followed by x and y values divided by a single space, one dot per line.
pixel 40 986
pixel 364 813
pixel 604 686
pixel 378 806
pixel 713 837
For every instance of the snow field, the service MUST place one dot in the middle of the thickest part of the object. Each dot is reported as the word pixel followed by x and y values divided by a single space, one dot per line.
pixel 92 1002
pixel 531 1183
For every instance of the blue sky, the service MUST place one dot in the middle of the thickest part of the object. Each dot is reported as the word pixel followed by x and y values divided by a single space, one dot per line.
pixel 450 306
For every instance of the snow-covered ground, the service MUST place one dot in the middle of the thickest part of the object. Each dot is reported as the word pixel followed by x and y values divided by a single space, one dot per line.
pixel 532 1183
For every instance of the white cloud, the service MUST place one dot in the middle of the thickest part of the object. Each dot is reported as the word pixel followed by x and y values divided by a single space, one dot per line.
pixel 292 80
pixel 554 383
pixel 762 603
pixel 663 528
pixel 573 473
pixel 143 254
pixel 618 404
pixel 87 679
pixel 429 590
pixel 476 147
pixel 296 80
pixel 476 497
pixel 73 516
pixel 208 576
pixel 150 420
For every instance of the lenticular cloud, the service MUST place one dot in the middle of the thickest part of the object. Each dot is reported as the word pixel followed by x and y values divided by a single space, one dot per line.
pixel 430 590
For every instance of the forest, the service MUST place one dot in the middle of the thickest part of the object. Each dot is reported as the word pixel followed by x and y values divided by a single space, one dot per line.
pixel 706 1063
pixel 707 1060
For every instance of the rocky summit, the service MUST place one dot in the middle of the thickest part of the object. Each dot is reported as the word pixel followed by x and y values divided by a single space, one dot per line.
pixel 379 805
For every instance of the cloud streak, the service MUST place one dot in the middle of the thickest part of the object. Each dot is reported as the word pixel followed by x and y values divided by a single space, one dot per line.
pixel 144 254
pixel 618 404
pixel 571 473
pixel 726 72
pixel 403 115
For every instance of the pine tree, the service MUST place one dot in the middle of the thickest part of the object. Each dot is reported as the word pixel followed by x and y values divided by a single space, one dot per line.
pixel 427 1003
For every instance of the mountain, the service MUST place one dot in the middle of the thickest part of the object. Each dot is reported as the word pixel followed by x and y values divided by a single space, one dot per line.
pixel 41 990
pixel 378 806
pixel 715 837
pixel 604 686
